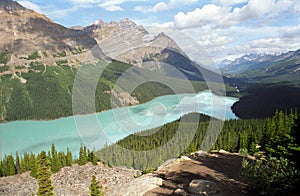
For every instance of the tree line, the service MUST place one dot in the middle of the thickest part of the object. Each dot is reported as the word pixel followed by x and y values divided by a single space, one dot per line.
pixel 11 165
pixel 151 148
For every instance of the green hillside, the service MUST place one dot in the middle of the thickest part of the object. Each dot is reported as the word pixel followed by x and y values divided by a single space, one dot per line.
pixel 47 93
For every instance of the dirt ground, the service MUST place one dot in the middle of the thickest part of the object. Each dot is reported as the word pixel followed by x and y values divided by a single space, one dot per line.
pixel 220 168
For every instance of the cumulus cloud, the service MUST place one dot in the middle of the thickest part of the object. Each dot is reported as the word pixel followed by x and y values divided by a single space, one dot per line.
pixel 257 9
pixel 226 16
pixel 163 6
pixel 209 14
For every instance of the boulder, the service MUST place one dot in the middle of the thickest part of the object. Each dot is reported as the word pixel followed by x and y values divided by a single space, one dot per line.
pixel 202 187
pixel 179 192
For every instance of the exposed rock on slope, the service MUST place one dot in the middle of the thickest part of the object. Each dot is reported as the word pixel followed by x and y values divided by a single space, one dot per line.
pixel 216 173
pixel 131 43
pixel 203 173
pixel 26 35
pixel 73 180
pixel 128 42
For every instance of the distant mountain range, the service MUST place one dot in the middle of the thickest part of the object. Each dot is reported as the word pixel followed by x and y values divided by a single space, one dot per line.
pixel 272 83
pixel 265 67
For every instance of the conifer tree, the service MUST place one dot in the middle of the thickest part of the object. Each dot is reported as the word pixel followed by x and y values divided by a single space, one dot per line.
pixel 18 164
pixel 95 188
pixel 33 165
pixel 55 163
pixel 62 159
pixel 43 176
pixel 69 158
pixel 83 159
pixel 1 169
pixel 25 163
pixel 11 168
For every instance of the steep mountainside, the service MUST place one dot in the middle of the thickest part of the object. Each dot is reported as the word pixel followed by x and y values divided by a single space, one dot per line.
pixel 265 68
pixel 131 43
pixel 128 42
pixel 26 36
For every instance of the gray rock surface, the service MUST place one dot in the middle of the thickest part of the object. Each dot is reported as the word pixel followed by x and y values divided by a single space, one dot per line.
pixel 71 181
pixel 137 187
pixel 203 187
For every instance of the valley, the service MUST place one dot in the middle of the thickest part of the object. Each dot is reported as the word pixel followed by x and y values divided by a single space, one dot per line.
pixel 110 108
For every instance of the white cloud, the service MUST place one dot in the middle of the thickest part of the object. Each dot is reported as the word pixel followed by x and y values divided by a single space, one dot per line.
pixel 209 14
pixel 31 6
pixel 163 6
pixel 113 8
pixel 163 25
pixel 50 11
pixel 256 9
pixel 113 5
pixel 85 1
pixel 228 2
pixel 224 16
pixel 290 32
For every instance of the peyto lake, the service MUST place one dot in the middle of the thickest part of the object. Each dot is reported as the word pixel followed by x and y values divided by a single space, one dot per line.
pixel 96 130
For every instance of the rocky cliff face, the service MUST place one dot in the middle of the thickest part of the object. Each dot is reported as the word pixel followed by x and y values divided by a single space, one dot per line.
pixel 27 35
pixel 131 43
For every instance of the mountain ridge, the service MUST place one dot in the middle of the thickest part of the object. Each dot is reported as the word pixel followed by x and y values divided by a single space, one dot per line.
pixel 265 68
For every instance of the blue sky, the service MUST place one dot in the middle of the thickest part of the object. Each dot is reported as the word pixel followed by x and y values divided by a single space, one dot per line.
pixel 224 28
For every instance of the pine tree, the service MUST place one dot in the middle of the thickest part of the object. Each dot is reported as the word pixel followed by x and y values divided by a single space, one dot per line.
pixel 25 163
pixel 1 169
pixel 92 158
pixel 62 159
pixel 69 158
pixel 95 188
pixel 280 140
pixel 43 176
pixel 11 168
pixel 83 159
pixel 18 164
pixel 33 165
pixel 55 163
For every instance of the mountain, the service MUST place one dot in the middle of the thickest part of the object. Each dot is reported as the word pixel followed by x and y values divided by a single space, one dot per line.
pixel 128 42
pixel 265 68
pixel 272 83
pixel 131 43
pixel 26 35
pixel 39 61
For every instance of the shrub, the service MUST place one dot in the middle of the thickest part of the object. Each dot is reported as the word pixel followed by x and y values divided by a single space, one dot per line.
pixel 271 175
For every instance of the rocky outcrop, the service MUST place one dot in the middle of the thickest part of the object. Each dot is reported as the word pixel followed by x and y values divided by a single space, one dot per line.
pixel 215 173
pixel 137 187
pixel 73 180
pixel 202 173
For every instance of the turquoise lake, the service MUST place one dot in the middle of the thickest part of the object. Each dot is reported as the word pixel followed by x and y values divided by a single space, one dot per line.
pixel 96 130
